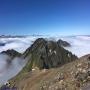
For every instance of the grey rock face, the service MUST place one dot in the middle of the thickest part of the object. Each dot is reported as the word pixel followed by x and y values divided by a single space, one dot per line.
pixel 47 54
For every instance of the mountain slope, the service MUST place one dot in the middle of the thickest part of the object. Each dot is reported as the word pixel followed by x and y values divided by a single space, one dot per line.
pixel 44 59
pixel 44 54
pixel 12 53
pixel 63 43
pixel 71 76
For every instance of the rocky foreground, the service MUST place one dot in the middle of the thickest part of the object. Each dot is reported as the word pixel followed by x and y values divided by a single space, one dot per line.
pixel 51 67
pixel 71 76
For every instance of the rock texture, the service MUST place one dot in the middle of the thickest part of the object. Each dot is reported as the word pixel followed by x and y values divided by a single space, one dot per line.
pixel 63 43
pixel 71 76
pixel 12 53
pixel 45 54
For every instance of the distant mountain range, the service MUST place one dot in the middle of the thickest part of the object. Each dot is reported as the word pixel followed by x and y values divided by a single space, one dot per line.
pixel 34 35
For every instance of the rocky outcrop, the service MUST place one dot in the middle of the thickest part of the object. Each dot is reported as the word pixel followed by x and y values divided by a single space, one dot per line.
pixel 82 74
pixel 11 53
pixel 70 76
pixel 63 43
pixel 47 54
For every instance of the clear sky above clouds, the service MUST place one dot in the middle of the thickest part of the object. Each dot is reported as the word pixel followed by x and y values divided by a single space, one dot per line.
pixel 59 17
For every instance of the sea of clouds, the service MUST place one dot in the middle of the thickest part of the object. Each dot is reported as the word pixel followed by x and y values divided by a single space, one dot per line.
pixel 18 44
pixel 7 71
pixel 80 45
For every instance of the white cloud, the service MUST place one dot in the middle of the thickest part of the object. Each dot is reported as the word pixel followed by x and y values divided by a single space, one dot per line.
pixel 9 70
pixel 80 45
pixel 19 44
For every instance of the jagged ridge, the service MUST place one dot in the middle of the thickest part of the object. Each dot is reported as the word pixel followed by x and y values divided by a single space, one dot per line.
pixel 47 54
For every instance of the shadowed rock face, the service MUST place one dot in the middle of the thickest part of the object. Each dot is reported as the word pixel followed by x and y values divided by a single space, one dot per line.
pixel 12 53
pixel 47 54
pixel 63 43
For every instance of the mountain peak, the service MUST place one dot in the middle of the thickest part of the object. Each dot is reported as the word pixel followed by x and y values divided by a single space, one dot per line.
pixel 47 54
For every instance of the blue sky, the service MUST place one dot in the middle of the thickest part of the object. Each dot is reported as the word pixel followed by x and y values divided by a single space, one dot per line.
pixel 54 17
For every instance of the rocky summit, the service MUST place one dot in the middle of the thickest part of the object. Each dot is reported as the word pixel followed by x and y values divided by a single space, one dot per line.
pixel 63 43
pixel 11 53
pixel 45 54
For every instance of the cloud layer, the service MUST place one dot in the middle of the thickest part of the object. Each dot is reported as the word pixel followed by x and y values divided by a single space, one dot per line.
pixel 80 45
pixel 18 44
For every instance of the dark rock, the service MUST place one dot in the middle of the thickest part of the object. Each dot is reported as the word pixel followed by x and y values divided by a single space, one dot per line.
pixel 5 87
pixel 82 76
pixel 63 43
pixel 88 59
pixel 12 53
pixel 47 54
